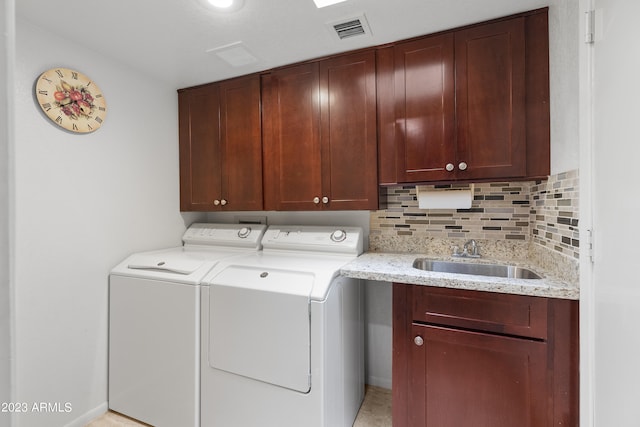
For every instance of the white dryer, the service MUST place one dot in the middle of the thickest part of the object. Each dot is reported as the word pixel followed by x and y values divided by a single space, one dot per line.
pixel 282 333
pixel 154 323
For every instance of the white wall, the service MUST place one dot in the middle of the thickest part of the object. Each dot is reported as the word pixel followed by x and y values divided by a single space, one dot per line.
pixel 378 333
pixel 616 150
pixel 83 202
pixel 6 60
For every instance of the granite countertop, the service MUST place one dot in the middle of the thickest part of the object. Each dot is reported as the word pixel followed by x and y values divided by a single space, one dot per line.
pixel 395 267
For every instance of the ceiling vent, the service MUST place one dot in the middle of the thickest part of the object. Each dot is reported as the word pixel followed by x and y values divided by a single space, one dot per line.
pixel 235 54
pixel 351 27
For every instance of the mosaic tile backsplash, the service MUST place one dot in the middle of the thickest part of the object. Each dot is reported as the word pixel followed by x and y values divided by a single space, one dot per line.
pixel 554 213
pixel 540 212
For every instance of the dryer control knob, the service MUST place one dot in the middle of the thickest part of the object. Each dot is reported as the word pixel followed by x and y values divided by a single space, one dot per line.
pixel 338 235
pixel 244 232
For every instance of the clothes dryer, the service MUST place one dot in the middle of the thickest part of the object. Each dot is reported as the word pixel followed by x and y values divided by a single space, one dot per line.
pixel 282 333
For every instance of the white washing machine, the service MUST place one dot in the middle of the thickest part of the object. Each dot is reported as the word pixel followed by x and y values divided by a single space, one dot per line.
pixel 282 333
pixel 154 323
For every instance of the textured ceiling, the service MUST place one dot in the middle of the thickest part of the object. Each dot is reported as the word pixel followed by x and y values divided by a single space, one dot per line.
pixel 172 39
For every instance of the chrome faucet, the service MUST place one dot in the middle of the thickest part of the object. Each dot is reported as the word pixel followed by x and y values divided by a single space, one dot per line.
pixel 469 250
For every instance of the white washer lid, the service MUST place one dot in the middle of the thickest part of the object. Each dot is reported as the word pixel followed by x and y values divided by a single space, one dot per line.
pixel 160 261
pixel 179 265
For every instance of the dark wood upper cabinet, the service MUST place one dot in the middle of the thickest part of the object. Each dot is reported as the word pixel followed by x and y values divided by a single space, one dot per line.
pixel 490 101
pixel 470 104
pixel 292 176
pixel 221 146
pixel 200 156
pixel 425 108
pixel 348 131
pixel 320 145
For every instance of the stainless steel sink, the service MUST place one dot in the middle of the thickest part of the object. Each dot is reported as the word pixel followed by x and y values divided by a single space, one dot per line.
pixel 494 270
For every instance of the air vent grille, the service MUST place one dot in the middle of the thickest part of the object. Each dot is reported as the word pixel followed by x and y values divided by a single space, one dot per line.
pixel 351 27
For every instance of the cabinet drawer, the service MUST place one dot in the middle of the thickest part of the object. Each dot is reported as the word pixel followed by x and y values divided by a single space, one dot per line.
pixel 482 311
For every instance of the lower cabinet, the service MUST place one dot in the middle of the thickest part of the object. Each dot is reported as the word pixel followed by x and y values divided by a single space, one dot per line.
pixel 469 358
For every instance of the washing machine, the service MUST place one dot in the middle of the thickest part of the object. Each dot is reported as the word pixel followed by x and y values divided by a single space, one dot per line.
pixel 154 323
pixel 282 333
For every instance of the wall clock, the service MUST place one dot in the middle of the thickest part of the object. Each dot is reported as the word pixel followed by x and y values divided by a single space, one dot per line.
pixel 71 100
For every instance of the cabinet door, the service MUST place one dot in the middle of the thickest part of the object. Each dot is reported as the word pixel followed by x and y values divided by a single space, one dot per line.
pixel 490 100
pixel 425 109
pixel 348 132
pixel 292 175
pixel 200 161
pixel 241 144
pixel 462 378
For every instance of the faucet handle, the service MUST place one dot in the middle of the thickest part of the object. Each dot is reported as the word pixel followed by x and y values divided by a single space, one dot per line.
pixel 456 250
pixel 475 253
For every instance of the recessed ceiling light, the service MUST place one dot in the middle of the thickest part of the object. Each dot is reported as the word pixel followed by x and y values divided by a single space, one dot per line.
pixel 323 3
pixel 226 5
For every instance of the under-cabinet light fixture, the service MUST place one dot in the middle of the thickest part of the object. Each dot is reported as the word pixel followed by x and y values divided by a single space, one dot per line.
pixel 323 3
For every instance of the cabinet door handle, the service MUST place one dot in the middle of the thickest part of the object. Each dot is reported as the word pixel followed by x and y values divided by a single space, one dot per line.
pixel 325 200
pixel 316 200
pixel 418 340
pixel 449 167
pixel 216 202
pixel 223 202
pixel 462 166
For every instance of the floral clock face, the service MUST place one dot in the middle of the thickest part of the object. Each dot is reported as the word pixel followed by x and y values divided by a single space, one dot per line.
pixel 71 100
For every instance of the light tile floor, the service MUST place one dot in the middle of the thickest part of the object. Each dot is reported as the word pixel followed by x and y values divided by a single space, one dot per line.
pixel 375 412
pixel 376 408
